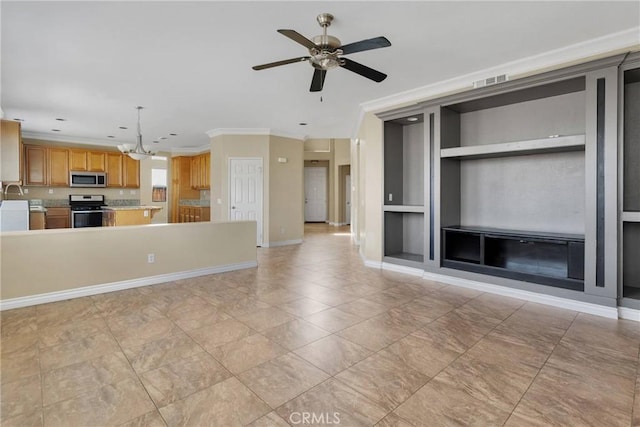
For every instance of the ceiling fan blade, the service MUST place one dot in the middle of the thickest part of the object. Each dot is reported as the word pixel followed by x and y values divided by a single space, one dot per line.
pixel 363 70
pixel 374 43
pixel 318 80
pixel 278 63
pixel 299 38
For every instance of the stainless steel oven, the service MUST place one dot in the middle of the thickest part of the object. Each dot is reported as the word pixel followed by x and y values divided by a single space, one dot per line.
pixel 86 210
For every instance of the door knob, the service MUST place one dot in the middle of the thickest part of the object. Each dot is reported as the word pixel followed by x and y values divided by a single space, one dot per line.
pixel 233 207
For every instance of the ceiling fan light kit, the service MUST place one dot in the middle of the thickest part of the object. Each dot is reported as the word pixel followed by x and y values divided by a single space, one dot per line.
pixel 326 53
pixel 136 152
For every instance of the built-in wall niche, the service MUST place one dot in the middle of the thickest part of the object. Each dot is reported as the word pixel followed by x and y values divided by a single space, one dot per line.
pixel 404 143
pixel 404 237
pixel 631 150
pixel 631 267
pixel 512 184
pixel 631 186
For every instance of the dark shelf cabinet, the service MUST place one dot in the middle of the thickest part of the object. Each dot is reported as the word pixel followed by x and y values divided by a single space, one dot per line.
pixel 545 258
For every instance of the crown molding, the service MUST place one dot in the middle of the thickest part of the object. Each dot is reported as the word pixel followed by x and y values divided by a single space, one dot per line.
pixel 64 138
pixel 192 150
pixel 254 131
pixel 579 52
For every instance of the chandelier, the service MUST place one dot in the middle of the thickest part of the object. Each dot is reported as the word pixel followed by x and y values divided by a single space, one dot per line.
pixel 138 151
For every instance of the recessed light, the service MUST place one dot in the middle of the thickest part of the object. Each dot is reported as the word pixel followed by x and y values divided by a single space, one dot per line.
pixel 110 136
pixel 302 123
pixel 155 141
pixel 19 120
pixel 412 119
pixel 61 120
pixel 55 130
pixel 123 127
pixel 162 137
pixel 173 134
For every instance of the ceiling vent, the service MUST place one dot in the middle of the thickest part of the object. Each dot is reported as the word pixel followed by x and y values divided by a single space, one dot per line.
pixel 491 81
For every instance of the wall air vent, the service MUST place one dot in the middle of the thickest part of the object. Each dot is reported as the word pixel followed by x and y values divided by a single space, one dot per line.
pixel 491 81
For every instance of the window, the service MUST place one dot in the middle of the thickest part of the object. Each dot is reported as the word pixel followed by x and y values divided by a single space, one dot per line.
pixel 158 185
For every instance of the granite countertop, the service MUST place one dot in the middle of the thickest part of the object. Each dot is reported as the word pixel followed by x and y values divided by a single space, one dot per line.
pixel 132 208
pixel 37 209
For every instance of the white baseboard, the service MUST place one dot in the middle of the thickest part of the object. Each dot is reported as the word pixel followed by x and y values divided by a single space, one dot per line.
pixel 282 243
pixel 372 264
pixel 629 314
pixel 118 286
pixel 402 269
pixel 569 304
pixel 338 224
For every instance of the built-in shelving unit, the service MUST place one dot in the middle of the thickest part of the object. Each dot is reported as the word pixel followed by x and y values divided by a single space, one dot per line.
pixel 552 144
pixel 404 190
pixel 516 184
pixel 630 217
pixel 550 259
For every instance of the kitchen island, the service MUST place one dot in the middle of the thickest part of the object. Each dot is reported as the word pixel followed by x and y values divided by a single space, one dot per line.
pixel 128 215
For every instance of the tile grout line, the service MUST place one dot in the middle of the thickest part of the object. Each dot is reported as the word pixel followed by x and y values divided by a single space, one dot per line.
pixel 541 367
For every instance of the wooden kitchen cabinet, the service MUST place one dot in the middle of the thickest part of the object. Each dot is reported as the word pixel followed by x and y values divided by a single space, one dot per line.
pixel 181 185
pixel 114 169
pixel 58 218
pixel 200 171
pixel 11 150
pixel 35 165
pixel 83 160
pixel 58 166
pixel 46 166
pixel 131 172
pixel 37 220
pixel 194 213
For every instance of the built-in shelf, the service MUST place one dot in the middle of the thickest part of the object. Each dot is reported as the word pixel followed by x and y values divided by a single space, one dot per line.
pixel 517 148
pixel 631 216
pixel 550 259
pixel 403 208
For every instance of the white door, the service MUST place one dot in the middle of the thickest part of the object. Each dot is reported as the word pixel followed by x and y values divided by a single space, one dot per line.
pixel 245 192
pixel 315 194
pixel 347 200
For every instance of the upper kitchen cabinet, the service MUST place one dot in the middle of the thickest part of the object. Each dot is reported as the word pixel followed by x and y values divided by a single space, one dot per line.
pixel 131 172
pixel 114 169
pixel 83 160
pixel 46 166
pixel 10 152
pixel 200 171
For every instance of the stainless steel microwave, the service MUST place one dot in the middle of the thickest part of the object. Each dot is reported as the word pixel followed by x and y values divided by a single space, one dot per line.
pixel 87 179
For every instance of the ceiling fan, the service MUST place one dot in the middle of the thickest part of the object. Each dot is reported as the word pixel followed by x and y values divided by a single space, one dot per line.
pixel 326 52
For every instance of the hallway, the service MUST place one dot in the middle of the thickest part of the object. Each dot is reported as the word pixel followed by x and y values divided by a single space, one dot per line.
pixel 312 336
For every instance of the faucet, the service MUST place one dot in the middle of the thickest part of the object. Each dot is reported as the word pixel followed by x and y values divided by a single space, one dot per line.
pixel 15 184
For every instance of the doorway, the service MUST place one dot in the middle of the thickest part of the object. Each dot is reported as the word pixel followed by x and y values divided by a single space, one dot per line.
pixel 315 194
pixel 246 192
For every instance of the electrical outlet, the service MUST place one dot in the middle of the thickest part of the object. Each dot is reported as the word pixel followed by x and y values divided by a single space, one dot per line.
pixel 151 258
pixel 146 213
pixel 121 192
pixel 51 191
pixel 25 191
pixel 390 197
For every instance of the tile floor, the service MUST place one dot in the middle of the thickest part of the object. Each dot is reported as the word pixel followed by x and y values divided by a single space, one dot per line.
pixel 313 337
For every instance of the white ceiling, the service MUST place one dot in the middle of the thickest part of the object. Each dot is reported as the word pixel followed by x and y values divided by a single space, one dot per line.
pixel 189 63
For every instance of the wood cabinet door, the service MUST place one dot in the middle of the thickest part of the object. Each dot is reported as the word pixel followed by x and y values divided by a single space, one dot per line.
pixel 36 165
pixel 96 161
pixel 11 150
pixel 131 172
pixel 114 169
pixel 58 218
pixel 58 167
pixel 195 172
pixel 205 172
pixel 78 160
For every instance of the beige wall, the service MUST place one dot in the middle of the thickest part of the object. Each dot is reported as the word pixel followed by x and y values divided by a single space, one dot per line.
pixel 370 187
pixel 60 260
pixel 283 215
pixel 286 190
